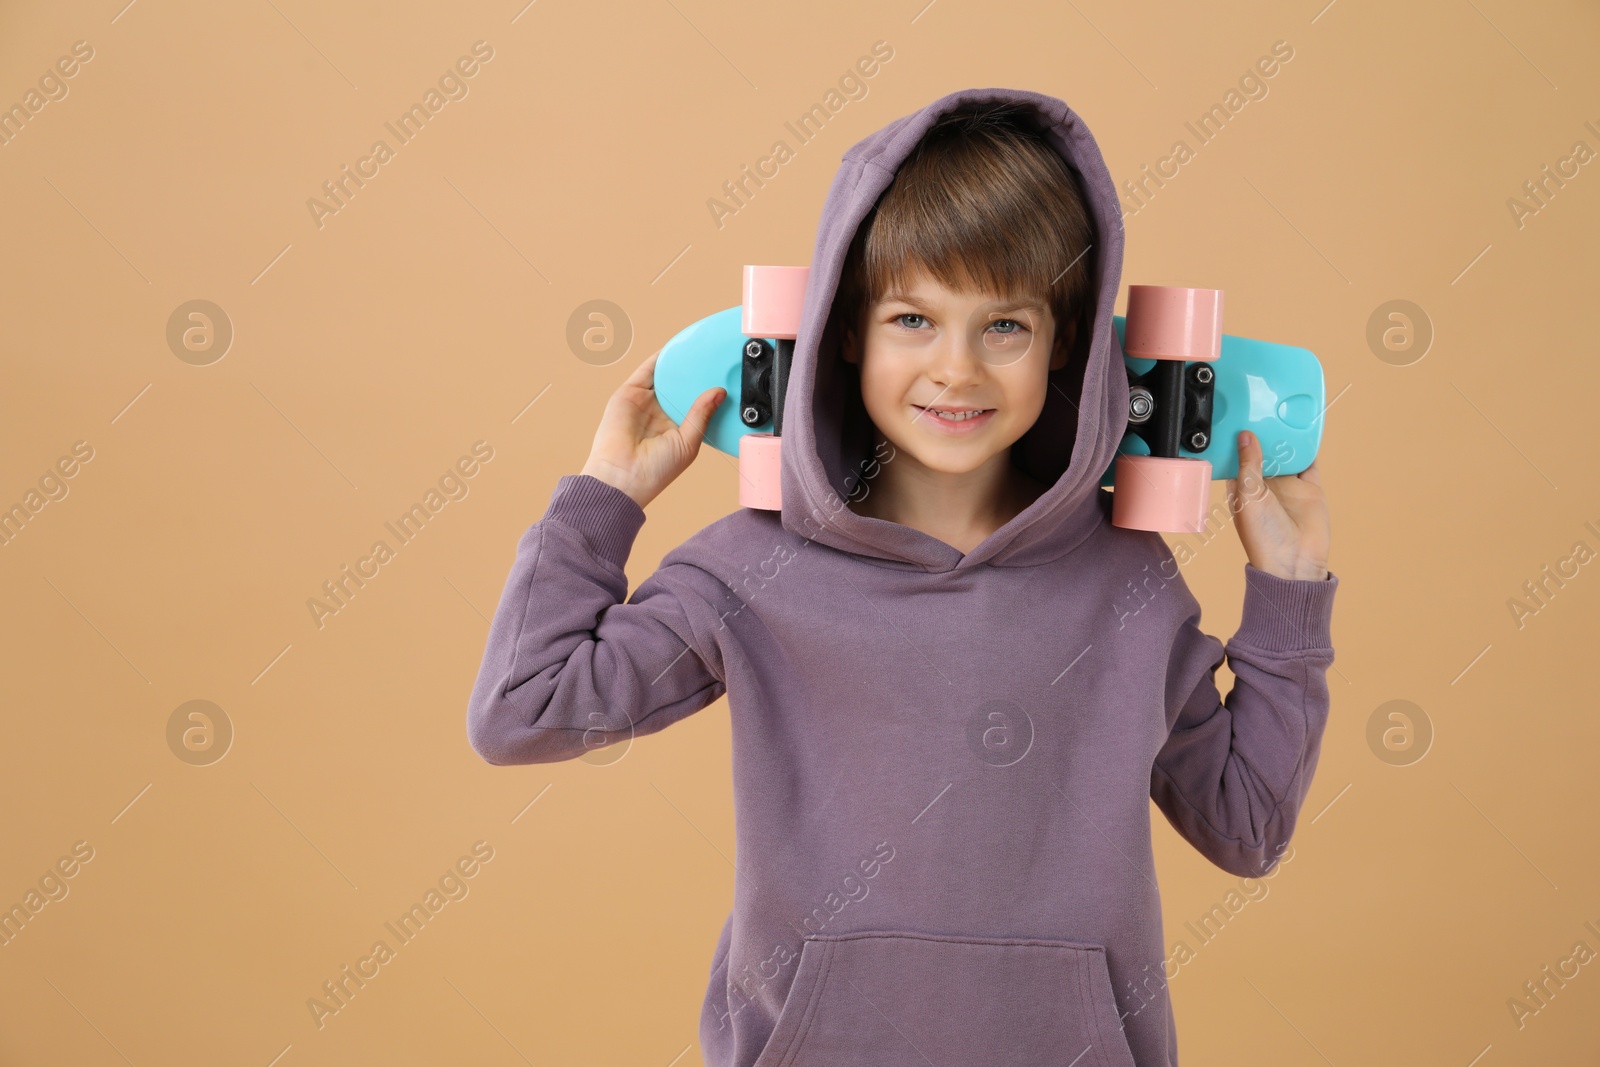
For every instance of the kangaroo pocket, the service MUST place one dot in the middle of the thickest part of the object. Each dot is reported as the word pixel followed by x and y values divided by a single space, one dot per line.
pixel 895 999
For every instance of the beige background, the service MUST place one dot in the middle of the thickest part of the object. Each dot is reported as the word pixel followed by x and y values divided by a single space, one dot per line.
pixel 372 352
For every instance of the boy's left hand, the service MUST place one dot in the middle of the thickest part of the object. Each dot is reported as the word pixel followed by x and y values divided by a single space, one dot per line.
pixel 1282 521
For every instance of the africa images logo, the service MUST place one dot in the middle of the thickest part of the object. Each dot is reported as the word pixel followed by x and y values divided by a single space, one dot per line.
pixel 452 85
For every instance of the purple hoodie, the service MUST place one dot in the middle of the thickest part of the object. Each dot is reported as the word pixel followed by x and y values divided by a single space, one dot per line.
pixel 942 763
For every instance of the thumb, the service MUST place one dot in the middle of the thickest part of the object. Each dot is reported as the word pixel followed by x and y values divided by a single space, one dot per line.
pixel 694 424
pixel 1248 485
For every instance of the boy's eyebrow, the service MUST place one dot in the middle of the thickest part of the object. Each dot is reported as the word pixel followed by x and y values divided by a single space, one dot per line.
pixel 1020 304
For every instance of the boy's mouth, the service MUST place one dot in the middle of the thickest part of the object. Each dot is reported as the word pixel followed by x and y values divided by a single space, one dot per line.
pixel 955 419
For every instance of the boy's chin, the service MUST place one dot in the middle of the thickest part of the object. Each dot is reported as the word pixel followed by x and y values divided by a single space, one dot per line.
pixel 953 458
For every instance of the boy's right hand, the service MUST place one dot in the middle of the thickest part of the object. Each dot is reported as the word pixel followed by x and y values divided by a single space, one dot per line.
pixel 638 448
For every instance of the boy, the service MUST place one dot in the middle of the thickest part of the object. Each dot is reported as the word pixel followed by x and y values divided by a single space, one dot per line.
pixel 954 688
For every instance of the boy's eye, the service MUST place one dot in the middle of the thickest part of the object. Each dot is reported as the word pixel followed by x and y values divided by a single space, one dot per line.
pixel 899 320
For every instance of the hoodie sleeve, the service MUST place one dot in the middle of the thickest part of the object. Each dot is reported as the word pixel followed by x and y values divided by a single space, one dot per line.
pixel 569 666
pixel 1232 774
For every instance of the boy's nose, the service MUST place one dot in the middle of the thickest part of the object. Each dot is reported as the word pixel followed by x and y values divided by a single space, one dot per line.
pixel 958 360
pixel 968 358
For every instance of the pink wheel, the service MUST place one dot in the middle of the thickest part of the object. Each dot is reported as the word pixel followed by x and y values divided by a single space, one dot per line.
pixel 1166 322
pixel 1165 495
pixel 773 299
pixel 761 472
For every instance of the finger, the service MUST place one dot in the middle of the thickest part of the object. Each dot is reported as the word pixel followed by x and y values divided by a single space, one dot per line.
pixel 1311 474
pixel 1249 460
pixel 643 375
pixel 699 416
pixel 1231 485
pixel 1250 445
pixel 1250 486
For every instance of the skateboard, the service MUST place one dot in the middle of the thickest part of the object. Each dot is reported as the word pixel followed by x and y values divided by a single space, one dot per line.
pixel 1191 389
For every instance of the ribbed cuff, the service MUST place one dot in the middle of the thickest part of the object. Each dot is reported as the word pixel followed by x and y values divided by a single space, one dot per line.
pixel 608 518
pixel 1286 614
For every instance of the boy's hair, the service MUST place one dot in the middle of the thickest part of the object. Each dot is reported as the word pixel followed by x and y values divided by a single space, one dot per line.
pixel 981 203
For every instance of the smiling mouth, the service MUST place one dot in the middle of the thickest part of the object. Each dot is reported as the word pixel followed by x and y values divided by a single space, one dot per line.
pixel 947 415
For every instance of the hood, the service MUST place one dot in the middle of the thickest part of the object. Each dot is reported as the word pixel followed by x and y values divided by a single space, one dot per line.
pixel 827 437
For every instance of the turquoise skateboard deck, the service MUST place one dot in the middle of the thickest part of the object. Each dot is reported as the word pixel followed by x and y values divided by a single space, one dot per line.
pixel 1275 391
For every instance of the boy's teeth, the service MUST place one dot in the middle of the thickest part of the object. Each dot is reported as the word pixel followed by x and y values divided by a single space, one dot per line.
pixel 955 416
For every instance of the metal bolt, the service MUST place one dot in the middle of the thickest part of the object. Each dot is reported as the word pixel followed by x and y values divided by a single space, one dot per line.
pixel 751 416
pixel 753 349
pixel 1140 404
pixel 1202 374
pixel 1198 442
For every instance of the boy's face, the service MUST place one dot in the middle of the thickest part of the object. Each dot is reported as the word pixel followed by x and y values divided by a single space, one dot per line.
pixel 930 349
